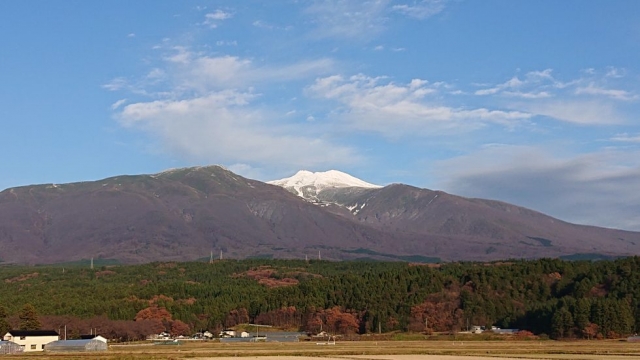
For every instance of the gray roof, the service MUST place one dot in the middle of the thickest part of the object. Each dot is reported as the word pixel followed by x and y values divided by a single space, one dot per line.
pixel 76 345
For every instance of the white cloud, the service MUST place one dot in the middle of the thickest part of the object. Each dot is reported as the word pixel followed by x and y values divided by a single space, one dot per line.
pixel 422 9
pixel 262 24
pixel 226 43
pixel 624 137
pixel 582 112
pixel 394 110
pixel 118 103
pixel 580 101
pixel 222 127
pixel 595 188
pixel 131 35
pixel 614 72
pixel 591 89
pixel 204 73
pixel 213 19
pixel 116 84
pixel 347 19
pixel 206 108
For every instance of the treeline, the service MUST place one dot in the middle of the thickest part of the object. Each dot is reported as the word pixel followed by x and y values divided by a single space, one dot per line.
pixel 558 298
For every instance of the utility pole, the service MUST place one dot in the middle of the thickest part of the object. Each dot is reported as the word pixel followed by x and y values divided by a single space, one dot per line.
pixel 211 257
pixel 91 266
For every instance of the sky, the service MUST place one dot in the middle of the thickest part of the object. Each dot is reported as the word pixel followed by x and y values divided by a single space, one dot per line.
pixel 535 103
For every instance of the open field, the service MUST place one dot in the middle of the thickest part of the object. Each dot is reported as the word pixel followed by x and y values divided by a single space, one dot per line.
pixel 366 350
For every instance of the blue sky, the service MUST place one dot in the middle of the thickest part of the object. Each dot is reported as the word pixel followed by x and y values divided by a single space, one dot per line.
pixel 531 102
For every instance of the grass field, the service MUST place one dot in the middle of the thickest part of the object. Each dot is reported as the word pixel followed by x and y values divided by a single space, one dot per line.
pixel 362 350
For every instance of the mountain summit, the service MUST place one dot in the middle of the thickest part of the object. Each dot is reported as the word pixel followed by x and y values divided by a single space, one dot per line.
pixel 309 185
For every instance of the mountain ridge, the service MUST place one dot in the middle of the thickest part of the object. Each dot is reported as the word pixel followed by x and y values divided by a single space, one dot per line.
pixel 184 214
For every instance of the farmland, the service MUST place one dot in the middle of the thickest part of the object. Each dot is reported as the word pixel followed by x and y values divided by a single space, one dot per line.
pixel 381 350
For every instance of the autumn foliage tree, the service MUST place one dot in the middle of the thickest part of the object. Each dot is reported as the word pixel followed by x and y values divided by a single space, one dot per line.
pixel 179 328
pixel 340 322
pixel 439 312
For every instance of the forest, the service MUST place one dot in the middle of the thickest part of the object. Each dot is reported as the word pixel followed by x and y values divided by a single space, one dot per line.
pixel 548 297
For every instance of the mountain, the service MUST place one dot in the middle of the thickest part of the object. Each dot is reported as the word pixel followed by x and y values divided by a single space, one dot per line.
pixel 184 214
pixel 309 185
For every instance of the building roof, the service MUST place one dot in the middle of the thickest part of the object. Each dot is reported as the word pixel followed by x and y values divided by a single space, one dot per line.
pixel 76 345
pixel 33 333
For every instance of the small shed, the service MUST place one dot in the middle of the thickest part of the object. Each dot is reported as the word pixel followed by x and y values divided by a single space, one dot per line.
pixel 9 347
pixel 76 345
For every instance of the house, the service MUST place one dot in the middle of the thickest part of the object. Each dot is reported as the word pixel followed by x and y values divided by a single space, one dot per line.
pixel 31 340
pixel 97 337
pixel 477 329
pixel 227 333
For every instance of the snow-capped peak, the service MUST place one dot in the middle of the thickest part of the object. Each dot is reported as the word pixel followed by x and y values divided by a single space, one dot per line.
pixel 321 180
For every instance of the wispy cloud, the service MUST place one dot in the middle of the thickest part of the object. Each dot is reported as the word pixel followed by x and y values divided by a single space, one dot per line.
pixel 624 137
pixel 577 111
pixel 269 26
pixel 585 100
pixel 116 84
pixel 223 127
pixel 214 19
pixel 592 89
pixel 539 179
pixel 203 73
pixel 421 9
pixel 206 108
pixel 346 19
pixel 375 104
pixel 116 105
pixel 364 20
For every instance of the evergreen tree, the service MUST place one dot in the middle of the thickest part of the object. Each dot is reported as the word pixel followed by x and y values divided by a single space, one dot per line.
pixel 4 324
pixel 29 318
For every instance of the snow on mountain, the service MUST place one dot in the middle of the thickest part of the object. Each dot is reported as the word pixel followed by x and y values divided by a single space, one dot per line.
pixel 320 181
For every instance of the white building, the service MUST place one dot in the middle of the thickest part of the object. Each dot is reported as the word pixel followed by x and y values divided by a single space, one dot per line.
pixel 96 337
pixel 31 340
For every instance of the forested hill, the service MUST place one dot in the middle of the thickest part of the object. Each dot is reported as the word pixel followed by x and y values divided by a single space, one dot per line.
pixel 554 297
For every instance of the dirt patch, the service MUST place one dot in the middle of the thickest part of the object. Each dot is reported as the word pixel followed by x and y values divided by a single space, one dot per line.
pixel 22 277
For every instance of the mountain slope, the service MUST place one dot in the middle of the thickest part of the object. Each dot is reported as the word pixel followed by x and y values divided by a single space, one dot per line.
pixel 505 230
pixel 175 215
pixel 185 214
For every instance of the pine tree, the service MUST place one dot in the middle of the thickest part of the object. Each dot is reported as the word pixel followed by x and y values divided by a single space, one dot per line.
pixel 29 318
pixel 4 324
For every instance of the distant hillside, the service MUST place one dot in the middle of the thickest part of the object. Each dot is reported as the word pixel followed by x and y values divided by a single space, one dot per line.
pixel 186 214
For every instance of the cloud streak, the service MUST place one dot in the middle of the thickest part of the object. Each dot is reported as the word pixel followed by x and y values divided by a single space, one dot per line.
pixel 422 9
pixel 558 186
pixel 374 104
